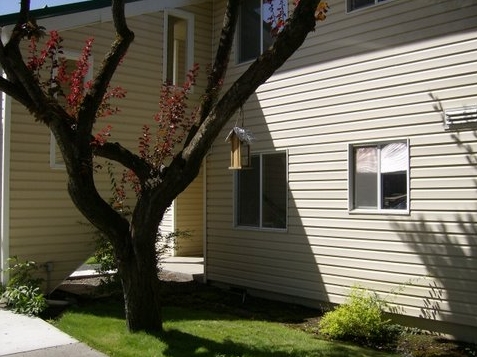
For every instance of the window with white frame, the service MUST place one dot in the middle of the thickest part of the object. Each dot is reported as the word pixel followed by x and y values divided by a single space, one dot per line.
pixel 178 45
pixel 358 4
pixel 379 176
pixel 258 20
pixel 261 193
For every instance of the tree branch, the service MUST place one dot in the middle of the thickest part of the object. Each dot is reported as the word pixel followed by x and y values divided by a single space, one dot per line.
pixel 21 78
pixel 94 98
pixel 19 30
pixel 219 68
pixel 87 199
pixel 81 184
pixel 288 41
pixel 186 165
pixel 15 92
pixel 118 153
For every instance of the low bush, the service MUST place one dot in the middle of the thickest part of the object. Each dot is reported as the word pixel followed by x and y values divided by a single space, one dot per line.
pixel 22 293
pixel 360 319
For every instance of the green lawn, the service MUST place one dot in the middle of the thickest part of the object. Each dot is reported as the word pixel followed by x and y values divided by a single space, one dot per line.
pixel 190 332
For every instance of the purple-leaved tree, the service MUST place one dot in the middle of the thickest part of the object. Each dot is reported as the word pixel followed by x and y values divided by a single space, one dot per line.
pixel 134 240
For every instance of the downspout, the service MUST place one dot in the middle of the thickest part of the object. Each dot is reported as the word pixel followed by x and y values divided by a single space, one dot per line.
pixel 204 167
pixel 5 117
pixel 204 217
pixel 5 187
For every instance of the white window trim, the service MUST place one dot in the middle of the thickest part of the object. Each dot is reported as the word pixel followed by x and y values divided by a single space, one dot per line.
pixel 364 8
pixel 378 210
pixel 69 55
pixel 237 50
pixel 189 18
pixel 235 188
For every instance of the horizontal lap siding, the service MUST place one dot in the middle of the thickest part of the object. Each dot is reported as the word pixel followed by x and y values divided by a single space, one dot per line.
pixel 190 219
pixel 44 224
pixel 186 213
pixel 189 204
pixel 369 76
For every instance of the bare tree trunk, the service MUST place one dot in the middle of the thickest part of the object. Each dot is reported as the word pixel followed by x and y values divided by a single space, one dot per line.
pixel 134 247
pixel 138 266
pixel 141 289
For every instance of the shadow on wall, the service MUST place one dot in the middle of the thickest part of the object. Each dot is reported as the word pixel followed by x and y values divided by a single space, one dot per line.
pixel 449 251
pixel 277 263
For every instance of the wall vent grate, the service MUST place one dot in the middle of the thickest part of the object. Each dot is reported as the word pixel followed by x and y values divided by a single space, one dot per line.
pixel 461 118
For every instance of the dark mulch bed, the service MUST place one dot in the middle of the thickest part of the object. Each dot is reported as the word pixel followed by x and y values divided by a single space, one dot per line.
pixel 179 290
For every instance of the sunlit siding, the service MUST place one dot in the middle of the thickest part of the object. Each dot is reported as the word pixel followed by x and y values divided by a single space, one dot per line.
pixel 166 228
pixel 366 76
pixel 190 219
pixel 45 226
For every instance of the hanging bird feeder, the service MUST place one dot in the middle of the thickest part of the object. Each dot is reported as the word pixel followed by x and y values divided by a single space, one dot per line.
pixel 240 140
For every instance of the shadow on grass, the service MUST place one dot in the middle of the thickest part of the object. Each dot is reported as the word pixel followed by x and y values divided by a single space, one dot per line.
pixel 199 297
pixel 184 344
pixel 240 338
pixel 197 331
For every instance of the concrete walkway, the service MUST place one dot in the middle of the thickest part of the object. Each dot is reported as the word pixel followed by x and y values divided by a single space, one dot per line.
pixel 193 267
pixel 26 336
pixel 22 335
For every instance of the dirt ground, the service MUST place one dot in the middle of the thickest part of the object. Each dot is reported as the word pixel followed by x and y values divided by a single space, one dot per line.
pixel 180 290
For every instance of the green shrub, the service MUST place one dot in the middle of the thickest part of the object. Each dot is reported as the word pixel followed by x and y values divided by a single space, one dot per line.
pixel 22 293
pixel 105 259
pixel 360 319
pixel 25 299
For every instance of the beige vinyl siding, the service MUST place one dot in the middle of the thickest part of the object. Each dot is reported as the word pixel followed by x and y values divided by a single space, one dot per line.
pixel 190 218
pixel 45 226
pixel 186 214
pixel 363 77
pixel 168 222
pixel 167 227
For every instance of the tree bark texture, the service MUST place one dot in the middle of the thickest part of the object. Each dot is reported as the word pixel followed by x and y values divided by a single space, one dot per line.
pixel 138 272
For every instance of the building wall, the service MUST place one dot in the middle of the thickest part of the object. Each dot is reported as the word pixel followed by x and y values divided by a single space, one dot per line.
pixel 190 219
pixel 186 217
pixel 44 224
pixel 375 74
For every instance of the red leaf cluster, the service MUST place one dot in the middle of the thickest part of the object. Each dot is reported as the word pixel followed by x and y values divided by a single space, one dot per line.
pixel 101 137
pixel 173 121
pixel 50 53
pixel 69 88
